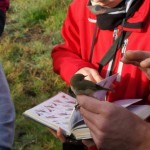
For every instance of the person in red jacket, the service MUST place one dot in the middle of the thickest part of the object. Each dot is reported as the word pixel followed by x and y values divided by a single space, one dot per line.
pixel 97 34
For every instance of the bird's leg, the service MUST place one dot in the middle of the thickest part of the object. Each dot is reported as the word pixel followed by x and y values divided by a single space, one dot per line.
pixel 77 107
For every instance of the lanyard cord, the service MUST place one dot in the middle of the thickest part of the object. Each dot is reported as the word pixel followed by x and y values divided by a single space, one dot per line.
pixel 111 53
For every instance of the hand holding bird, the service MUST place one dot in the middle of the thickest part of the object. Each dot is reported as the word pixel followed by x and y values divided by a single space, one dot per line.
pixel 81 86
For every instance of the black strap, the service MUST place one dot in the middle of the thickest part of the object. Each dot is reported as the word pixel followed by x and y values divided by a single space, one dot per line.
pixel 138 25
pixel 113 49
pixel 93 43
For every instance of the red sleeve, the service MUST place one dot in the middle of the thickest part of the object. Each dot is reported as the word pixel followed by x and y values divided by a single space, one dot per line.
pixel 4 5
pixel 67 58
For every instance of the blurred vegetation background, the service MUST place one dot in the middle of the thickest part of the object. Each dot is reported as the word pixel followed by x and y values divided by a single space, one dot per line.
pixel 32 29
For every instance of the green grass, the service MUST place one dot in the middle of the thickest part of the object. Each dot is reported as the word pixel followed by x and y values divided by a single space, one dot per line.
pixel 32 29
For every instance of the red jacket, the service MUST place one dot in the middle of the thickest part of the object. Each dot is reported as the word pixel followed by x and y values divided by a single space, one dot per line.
pixel 74 53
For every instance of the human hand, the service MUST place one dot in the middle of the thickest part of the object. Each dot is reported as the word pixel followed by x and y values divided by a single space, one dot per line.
pixel 58 134
pixel 92 74
pixel 138 58
pixel 114 127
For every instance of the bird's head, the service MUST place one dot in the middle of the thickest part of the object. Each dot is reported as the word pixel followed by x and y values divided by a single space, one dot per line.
pixel 76 78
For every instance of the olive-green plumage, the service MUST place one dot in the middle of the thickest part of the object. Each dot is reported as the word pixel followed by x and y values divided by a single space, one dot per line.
pixel 81 86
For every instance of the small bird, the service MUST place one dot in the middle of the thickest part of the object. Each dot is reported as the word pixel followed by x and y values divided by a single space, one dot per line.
pixel 79 85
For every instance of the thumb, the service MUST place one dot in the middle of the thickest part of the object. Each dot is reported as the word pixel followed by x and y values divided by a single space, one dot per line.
pixel 96 76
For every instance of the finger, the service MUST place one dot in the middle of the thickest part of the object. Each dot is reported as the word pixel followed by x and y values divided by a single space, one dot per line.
pixel 147 71
pixel 60 135
pixel 126 61
pixel 97 140
pixel 86 72
pixel 92 104
pixel 136 55
pixel 53 132
pixel 97 77
pixel 145 63
pixel 90 78
pixel 89 117
pixel 95 122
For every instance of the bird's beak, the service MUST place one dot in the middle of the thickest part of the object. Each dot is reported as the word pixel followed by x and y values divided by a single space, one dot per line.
pixel 85 76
